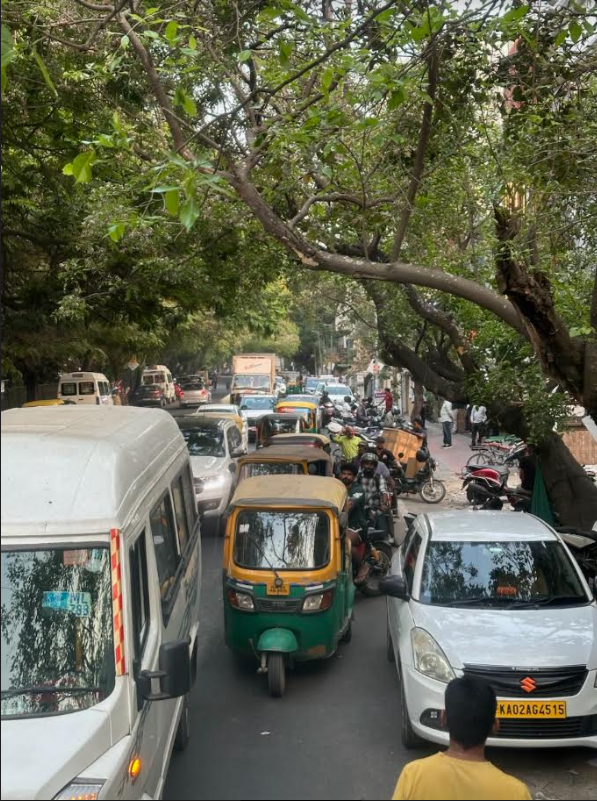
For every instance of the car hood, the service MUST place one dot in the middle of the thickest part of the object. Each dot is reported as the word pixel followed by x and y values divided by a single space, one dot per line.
pixel 255 414
pixel 40 756
pixel 519 638
pixel 207 465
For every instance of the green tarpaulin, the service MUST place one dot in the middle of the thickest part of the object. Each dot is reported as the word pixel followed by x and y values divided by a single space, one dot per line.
pixel 540 505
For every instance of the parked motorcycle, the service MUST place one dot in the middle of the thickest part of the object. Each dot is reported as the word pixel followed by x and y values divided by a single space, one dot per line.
pixel 431 489
pixel 484 482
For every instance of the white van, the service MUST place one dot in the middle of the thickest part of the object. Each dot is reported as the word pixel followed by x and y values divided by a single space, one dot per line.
pixel 85 388
pixel 101 573
pixel 158 374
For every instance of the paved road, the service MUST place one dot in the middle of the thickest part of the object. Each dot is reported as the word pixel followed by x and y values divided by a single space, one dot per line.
pixel 335 734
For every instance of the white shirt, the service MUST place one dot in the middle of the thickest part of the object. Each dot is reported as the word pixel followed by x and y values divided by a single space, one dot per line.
pixel 446 414
pixel 478 414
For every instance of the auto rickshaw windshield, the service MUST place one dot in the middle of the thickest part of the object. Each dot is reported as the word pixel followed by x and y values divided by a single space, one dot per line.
pixel 282 540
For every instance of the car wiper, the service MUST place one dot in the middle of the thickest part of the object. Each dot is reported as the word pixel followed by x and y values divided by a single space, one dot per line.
pixel 478 599
pixel 552 600
pixel 42 689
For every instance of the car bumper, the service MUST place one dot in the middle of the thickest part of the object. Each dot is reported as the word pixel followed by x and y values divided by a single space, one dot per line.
pixel 425 700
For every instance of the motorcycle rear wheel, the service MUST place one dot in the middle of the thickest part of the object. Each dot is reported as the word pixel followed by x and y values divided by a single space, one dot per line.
pixel 370 587
pixel 432 492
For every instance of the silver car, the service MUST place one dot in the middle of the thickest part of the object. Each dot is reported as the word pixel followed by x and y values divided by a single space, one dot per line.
pixel 194 394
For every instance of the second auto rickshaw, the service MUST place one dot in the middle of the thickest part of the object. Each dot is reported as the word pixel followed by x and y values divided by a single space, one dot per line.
pixel 288 588
pixel 289 460
pixel 307 409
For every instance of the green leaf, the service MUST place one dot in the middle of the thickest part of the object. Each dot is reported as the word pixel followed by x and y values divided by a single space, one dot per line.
pixel 560 38
pixel 192 43
pixel 189 213
pixel 105 141
pixel 171 31
pixel 516 13
pixel 245 55
pixel 397 97
pixel 285 52
pixel 327 79
pixel 575 31
pixel 151 35
pixel 125 42
pixel 44 71
pixel 7 48
pixel 172 201
pixel 80 168
pixel 163 189
pixel 4 79
pixel 116 231
pixel 190 106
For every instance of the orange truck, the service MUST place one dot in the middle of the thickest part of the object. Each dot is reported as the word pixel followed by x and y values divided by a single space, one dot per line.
pixel 254 372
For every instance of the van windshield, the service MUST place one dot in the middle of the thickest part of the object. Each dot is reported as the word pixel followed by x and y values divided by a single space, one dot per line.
pixel 57 643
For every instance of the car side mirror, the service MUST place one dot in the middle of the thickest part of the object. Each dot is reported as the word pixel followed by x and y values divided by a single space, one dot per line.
pixel 174 673
pixel 395 586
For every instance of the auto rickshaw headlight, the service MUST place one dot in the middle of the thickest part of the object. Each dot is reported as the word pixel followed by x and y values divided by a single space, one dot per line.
pixel 241 600
pixel 318 602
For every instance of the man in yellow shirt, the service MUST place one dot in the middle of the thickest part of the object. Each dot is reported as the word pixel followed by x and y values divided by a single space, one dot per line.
pixel 349 444
pixel 462 773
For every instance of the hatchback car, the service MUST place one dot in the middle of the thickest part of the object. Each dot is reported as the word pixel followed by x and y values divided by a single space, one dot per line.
pixel 194 393
pixel 149 395
pixel 498 596
pixel 213 446
pixel 253 408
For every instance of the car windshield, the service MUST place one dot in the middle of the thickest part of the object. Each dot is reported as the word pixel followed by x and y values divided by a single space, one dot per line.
pixel 270 469
pixel 154 378
pixel 338 389
pixel 252 381
pixel 257 403
pixel 204 441
pixel 282 540
pixel 57 643
pixel 312 383
pixel 283 426
pixel 502 574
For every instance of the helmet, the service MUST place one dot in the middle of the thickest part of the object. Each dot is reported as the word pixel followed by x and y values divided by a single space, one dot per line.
pixel 348 399
pixel 368 456
pixel 421 455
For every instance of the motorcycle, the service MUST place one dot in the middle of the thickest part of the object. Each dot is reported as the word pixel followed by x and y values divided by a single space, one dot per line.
pixel 377 553
pixel 483 482
pixel 431 489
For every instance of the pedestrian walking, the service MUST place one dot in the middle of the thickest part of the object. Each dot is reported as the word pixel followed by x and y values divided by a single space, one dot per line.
pixel 447 417
pixel 478 422
pixel 462 773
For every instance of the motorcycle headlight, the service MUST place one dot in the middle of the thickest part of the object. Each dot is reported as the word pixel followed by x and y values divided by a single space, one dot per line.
pixel 429 658
pixel 80 789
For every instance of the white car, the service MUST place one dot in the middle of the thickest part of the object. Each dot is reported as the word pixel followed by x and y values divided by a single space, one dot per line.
pixel 498 596
pixel 338 392
pixel 213 446
pixel 229 411
pixel 254 407
pixel 194 393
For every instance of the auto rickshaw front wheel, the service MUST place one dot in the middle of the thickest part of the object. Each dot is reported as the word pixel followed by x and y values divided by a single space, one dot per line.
pixel 276 674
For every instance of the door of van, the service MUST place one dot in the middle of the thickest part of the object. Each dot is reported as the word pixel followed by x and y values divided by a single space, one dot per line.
pixel 175 570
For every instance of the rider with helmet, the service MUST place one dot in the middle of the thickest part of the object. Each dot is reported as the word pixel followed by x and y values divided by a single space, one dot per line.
pixel 375 486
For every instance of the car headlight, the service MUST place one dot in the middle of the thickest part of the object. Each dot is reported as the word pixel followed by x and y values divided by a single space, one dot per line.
pixel 429 658
pixel 213 482
pixel 80 789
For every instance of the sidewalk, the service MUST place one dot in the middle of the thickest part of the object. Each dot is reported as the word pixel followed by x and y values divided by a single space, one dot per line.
pixel 450 460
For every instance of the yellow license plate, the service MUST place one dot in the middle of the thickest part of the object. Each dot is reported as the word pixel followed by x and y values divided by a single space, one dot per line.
pixel 531 709
pixel 278 588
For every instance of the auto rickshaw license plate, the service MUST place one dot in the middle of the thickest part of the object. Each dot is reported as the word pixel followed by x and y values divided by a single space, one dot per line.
pixel 531 709
pixel 278 588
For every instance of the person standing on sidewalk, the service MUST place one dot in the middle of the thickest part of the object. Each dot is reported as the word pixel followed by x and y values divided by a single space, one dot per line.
pixel 462 772
pixel 447 416
pixel 478 420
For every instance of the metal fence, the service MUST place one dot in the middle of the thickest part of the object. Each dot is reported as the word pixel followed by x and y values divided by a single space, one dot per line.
pixel 13 397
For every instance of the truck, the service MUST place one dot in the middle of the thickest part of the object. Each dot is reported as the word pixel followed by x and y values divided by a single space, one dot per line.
pixel 254 372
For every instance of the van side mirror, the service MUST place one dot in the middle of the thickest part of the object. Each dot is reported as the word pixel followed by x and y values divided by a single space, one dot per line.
pixel 174 673
pixel 395 586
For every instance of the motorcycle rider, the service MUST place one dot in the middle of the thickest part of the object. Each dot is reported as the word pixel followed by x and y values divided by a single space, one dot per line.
pixel 376 488
pixel 419 430
pixel 361 414
pixel 357 516
pixel 349 443
pixel 383 454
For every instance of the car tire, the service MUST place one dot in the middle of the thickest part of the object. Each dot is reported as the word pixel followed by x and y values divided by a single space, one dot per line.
pixel 183 732
pixel 410 739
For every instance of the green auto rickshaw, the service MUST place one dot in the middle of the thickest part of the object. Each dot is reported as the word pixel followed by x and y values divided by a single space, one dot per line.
pixel 288 589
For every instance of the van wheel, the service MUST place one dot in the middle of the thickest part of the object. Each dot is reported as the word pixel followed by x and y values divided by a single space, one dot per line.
pixel 183 732
pixel 276 675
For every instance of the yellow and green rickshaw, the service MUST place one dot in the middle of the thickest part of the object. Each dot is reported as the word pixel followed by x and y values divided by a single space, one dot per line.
pixel 285 460
pixel 307 409
pixel 273 424
pixel 287 578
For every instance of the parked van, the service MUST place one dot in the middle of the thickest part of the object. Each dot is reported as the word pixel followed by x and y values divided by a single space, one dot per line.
pixel 101 573
pixel 158 374
pixel 85 388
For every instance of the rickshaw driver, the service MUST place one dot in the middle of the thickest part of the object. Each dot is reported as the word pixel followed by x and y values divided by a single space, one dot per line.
pixel 357 515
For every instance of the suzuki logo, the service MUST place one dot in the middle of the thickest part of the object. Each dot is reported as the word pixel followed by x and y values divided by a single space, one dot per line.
pixel 529 685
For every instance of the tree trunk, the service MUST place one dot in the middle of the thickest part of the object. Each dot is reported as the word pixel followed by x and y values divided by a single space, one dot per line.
pixel 419 399
pixel 572 493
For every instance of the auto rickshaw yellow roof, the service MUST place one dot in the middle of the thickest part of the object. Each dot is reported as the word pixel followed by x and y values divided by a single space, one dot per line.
pixel 296 404
pixel 52 402
pixel 286 453
pixel 283 491
pixel 303 437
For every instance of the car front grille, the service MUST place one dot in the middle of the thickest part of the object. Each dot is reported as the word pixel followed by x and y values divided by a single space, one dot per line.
pixel 285 605
pixel 563 728
pixel 545 682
